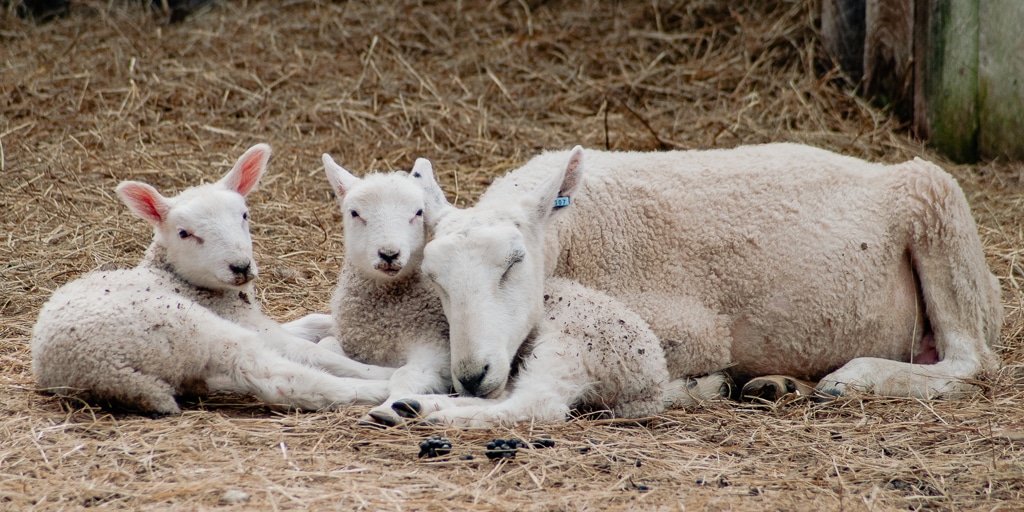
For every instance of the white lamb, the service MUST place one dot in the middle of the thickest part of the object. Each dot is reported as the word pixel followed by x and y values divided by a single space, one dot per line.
pixel 186 319
pixel 382 310
pixel 587 352
pixel 757 260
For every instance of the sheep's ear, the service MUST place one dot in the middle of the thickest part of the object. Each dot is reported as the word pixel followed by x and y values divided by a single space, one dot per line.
pixel 144 201
pixel 246 173
pixel 436 204
pixel 559 190
pixel 341 180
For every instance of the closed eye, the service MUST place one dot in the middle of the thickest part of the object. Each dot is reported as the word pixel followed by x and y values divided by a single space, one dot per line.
pixel 508 270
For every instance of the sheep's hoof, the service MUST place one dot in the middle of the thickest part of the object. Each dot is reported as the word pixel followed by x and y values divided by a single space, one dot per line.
pixel 827 394
pixel 772 388
pixel 407 408
pixel 379 419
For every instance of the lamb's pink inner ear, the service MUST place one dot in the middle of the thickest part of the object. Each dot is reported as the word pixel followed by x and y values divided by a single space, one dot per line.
pixel 341 180
pixel 144 201
pixel 248 170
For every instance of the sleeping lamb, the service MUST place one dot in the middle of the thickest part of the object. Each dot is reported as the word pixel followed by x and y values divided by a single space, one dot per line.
pixel 586 352
pixel 186 319
pixel 773 259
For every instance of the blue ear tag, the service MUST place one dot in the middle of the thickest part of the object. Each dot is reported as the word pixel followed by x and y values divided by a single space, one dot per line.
pixel 561 201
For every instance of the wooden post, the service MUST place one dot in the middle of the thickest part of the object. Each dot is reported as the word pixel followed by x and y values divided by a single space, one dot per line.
pixel 946 76
pixel 888 54
pixel 842 34
pixel 1001 79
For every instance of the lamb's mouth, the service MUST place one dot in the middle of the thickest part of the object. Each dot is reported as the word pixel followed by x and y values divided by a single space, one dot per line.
pixel 242 280
pixel 389 269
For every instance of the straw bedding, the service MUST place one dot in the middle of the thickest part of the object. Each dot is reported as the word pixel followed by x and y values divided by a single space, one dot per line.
pixel 114 92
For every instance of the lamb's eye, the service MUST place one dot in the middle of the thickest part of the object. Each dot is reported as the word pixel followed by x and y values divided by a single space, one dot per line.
pixel 355 214
pixel 183 234
pixel 245 215
pixel 508 269
pixel 419 213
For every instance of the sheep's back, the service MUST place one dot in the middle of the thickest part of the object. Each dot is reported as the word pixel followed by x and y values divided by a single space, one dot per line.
pixel 124 319
pixel 800 248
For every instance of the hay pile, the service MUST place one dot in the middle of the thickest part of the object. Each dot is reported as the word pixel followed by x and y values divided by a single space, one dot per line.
pixel 478 87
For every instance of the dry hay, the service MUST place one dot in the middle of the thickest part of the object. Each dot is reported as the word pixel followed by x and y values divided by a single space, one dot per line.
pixel 115 93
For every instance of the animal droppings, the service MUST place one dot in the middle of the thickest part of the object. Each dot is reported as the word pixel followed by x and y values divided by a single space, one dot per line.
pixel 503 449
pixel 507 448
pixel 435 446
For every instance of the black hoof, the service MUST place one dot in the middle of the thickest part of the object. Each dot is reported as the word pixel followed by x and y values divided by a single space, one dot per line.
pixel 826 395
pixel 407 408
pixel 383 419
pixel 371 424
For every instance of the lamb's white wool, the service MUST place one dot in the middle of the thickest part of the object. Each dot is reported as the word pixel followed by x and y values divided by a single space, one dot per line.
pixel 186 320
pixel 588 353
pixel 763 259
pixel 382 311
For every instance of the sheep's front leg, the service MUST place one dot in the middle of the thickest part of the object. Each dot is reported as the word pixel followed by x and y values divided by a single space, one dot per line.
pixel 312 327
pixel 318 356
pixel 427 371
pixel 552 380
pixel 289 385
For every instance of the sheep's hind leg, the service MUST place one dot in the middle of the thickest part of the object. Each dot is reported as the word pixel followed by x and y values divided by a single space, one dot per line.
pixel 131 389
pixel 318 356
pixel 947 378
pixel 691 391
pixel 961 296
pixel 772 388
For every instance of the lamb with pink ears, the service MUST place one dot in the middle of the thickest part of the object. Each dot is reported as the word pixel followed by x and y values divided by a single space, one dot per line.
pixel 185 321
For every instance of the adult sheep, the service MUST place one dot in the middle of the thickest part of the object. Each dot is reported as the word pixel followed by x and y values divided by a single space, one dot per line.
pixel 186 319
pixel 771 259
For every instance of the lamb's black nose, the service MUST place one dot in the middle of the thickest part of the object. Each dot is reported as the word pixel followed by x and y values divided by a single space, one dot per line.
pixel 241 269
pixel 388 255
pixel 471 383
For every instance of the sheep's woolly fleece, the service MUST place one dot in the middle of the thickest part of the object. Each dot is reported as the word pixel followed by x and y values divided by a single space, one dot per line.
pixel 479 88
pixel 776 258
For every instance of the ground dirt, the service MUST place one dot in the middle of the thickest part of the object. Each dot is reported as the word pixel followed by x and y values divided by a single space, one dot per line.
pixel 115 92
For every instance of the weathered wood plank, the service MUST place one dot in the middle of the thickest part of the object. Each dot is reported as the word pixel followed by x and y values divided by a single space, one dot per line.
pixel 1001 79
pixel 888 53
pixel 946 96
pixel 842 34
